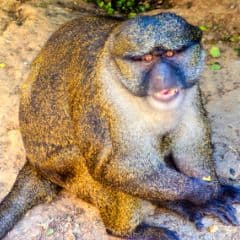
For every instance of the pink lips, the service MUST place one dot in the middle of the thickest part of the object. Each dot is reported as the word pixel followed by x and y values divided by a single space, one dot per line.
pixel 166 94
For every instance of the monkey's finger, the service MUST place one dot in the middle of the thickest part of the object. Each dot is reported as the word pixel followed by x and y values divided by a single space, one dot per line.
pixel 215 208
pixel 220 216
pixel 225 214
pixel 199 225
pixel 212 211
pixel 229 217
pixel 231 194
pixel 195 215
pixel 198 222
pixel 223 207
pixel 231 208
pixel 230 213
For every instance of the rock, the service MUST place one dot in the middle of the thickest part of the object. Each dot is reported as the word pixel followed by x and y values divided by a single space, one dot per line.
pixel 65 218
pixel 9 5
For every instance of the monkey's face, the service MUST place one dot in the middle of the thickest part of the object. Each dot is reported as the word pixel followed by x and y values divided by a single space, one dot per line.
pixel 158 58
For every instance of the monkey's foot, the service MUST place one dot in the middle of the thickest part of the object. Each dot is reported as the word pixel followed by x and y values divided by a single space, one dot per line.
pixel 225 212
pixel 146 232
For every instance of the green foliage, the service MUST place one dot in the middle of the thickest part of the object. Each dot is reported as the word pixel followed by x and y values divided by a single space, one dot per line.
pixel 215 52
pixel 50 232
pixel 128 7
pixel 237 51
pixel 215 66
pixel 235 38
pixel 203 28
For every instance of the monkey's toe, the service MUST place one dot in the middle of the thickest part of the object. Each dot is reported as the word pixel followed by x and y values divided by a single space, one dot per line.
pixel 145 232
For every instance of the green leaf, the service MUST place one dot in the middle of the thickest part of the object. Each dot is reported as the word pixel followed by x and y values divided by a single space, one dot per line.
pixel 215 52
pixel 119 4
pixel 130 3
pixel 147 6
pixel 100 4
pixel 109 5
pixel 110 11
pixel 203 28
pixel 132 15
pixel 238 51
pixel 141 8
pixel 50 232
pixel 235 38
pixel 215 66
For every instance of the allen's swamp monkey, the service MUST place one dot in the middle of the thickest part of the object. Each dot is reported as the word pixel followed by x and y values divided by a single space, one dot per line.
pixel 112 112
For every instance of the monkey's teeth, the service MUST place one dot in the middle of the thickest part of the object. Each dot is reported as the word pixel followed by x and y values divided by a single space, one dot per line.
pixel 166 94
pixel 158 94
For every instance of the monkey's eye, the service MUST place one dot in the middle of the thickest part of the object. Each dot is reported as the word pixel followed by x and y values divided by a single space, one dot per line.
pixel 147 58
pixel 169 53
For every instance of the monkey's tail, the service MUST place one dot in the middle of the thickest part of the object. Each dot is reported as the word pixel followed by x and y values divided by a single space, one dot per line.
pixel 29 189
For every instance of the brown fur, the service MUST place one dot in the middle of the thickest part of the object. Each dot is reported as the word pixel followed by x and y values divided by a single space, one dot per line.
pixel 85 132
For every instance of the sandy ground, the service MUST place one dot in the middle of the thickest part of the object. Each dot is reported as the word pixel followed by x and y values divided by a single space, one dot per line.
pixel 22 34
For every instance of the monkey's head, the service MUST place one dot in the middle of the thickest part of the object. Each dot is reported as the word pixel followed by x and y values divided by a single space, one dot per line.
pixel 158 58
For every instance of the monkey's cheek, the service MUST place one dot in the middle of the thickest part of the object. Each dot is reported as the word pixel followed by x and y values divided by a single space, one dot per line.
pixel 166 105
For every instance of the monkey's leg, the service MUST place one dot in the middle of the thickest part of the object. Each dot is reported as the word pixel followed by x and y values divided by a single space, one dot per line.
pixel 120 212
pixel 124 215
pixel 29 189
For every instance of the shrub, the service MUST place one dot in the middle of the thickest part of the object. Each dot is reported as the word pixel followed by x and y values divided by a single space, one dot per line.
pixel 128 7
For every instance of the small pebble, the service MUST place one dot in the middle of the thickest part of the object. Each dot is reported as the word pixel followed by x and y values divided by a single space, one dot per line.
pixel 2 65
pixel 213 229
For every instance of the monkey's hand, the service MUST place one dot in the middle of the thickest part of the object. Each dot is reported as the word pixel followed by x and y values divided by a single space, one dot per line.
pixel 229 194
pixel 225 212
pixel 221 207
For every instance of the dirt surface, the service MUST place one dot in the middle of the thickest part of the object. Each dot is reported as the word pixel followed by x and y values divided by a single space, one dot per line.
pixel 25 27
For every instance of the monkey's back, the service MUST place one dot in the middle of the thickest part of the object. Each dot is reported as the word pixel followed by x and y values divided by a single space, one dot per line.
pixel 64 68
pixel 60 117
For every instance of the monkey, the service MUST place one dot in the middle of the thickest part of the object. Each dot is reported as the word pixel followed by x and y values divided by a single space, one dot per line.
pixel 112 112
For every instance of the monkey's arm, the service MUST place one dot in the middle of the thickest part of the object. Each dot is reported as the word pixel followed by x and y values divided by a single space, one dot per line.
pixel 191 145
pixel 192 152
pixel 152 180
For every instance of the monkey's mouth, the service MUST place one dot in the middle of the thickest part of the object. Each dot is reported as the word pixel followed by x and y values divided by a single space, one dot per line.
pixel 166 95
